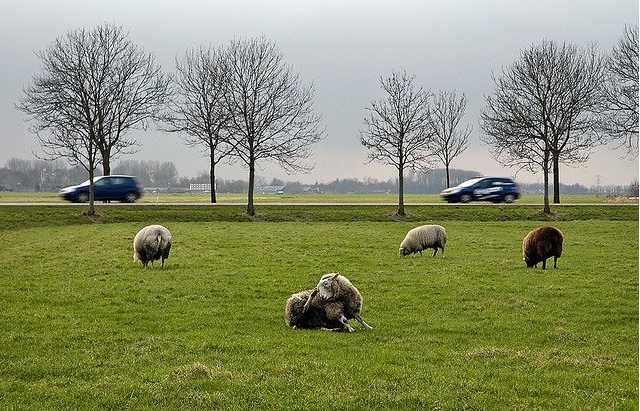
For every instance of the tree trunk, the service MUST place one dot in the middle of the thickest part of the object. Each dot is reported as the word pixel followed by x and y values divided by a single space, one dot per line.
pixel 92 209
pixel 400 191
pixel 250 209
pixel 106 163
pixel 212 179
pixel 446 166
pixel 556 179
pixel 545 170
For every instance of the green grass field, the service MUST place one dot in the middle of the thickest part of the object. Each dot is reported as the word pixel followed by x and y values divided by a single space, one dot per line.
pixel 83 327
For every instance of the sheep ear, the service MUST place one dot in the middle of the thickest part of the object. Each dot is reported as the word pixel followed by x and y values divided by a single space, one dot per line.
pixel 335 276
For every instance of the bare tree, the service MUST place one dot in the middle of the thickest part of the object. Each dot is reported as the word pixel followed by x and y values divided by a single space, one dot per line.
pixel 541 112
pixel 199 109
pixel 449 141
pixel 271 111
pixel 94 87
pixel 620 119
pixel 398 132
pixel 578 97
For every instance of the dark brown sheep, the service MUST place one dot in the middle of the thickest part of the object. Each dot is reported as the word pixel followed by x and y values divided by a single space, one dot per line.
pixel 540 244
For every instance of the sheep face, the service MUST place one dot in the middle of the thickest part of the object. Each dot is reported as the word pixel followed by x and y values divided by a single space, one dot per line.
pixel 328 287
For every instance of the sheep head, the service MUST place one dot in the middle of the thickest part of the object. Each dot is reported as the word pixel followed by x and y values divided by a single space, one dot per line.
pixel 328 286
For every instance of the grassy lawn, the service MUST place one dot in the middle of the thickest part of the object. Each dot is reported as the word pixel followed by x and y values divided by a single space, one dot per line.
pixel 86 328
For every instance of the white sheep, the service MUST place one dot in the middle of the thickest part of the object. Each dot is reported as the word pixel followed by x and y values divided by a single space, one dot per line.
pixel 152 243
pixel 329 306
pixel 423 237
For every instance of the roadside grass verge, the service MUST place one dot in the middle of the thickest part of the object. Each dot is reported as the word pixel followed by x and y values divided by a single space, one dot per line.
pixel 86 328
pixel 18 216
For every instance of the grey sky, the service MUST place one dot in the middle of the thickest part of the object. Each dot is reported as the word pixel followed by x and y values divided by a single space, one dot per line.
pixel 343 47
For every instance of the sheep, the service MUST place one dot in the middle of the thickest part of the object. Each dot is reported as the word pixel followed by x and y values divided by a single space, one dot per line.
pixel 314 317
pixel 540 244
pixel 152 243
pixel 423 237
pixel 329 306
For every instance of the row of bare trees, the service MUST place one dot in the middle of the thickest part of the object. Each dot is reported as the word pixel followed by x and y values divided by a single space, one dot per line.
pixel 241 101
pixel 410 129
pixel 553 106
pixel 558 102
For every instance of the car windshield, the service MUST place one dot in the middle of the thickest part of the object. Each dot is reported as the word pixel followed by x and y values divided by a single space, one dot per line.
pixel 86 183
pixel 469 182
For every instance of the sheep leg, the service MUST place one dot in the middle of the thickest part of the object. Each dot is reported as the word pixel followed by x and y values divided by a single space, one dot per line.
pixel 555 261
pixel 307 304
pixel 544 264
pixel 435 251
pixel 344 321
pixel 364 324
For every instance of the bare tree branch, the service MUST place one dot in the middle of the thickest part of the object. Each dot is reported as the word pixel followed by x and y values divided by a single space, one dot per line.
pixel 620 118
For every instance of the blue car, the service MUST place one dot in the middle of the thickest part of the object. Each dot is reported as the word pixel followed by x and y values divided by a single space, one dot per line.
pixel 495 189
pixel 105 188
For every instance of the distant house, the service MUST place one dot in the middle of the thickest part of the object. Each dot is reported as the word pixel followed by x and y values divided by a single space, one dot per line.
pixel 270 189
pixel 200 187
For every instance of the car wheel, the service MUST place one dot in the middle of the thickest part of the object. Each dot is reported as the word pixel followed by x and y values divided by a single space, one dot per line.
pixel 130 198
pixel 465 198
pixel 509 198
pixel 82 198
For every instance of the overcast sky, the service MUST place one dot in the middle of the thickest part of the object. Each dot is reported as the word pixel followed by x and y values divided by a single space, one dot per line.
pixel 343 47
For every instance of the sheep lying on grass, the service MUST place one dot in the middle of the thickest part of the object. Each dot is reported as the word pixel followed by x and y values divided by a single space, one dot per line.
pixel 329 306
pixel 540 244
pixel 152 243
pixel 423 237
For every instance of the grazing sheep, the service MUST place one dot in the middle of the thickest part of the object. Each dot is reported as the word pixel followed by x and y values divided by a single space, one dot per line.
pixel 152 243
pixel 329 306
pixel 540 244
pixel 423 237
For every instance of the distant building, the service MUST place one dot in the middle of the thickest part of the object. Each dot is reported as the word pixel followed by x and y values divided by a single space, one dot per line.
pixel 201 187
pixel 270 189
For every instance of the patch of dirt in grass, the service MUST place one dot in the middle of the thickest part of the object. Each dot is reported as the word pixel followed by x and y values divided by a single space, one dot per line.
pixel 551 216
pixel 620 199
pixel 400 218
pixel 96 218
pixel 198 371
